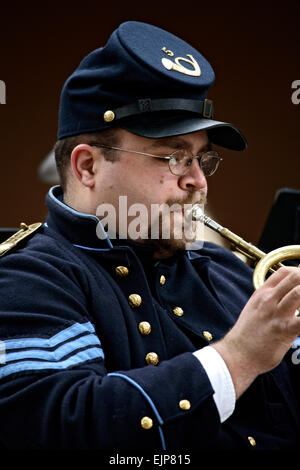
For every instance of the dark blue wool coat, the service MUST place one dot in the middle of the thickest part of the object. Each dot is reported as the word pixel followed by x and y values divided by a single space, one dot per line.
pixel 75 375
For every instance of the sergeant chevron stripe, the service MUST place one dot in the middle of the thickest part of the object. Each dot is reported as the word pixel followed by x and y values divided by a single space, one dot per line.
pixel 70 347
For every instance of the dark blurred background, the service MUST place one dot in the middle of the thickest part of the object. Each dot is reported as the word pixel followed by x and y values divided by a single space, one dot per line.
pixel 254 49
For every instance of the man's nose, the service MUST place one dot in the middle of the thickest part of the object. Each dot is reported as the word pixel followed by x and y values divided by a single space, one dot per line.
pixel 194 179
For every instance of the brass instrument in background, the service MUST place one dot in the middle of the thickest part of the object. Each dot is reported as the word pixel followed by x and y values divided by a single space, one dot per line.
pixel 264 261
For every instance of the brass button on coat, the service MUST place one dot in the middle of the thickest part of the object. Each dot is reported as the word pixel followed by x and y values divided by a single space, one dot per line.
pixel 162 280
pixel 134 300
pixel 207 335
pixel 108 116
pixel 146 422
pixel 152 359
pixel 178 311
pixel 184 405
pixel 122 271
pixel 252 441
pixel 145 328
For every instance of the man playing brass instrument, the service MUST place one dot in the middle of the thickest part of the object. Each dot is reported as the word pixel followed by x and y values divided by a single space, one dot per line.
pixel 117 342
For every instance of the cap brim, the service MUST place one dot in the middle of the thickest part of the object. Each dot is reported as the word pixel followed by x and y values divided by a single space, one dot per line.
pixel 155 127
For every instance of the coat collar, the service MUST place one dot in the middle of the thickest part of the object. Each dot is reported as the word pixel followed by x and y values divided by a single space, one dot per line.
pixel 77 227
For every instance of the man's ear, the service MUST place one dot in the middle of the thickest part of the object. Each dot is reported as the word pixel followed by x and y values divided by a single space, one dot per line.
pixel 83 159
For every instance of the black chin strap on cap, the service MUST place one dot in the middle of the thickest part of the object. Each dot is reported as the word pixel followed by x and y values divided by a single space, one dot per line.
pixel 147 105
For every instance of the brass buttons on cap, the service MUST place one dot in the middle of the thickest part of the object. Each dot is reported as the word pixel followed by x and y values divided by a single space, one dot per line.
pixel 252 441
pixel 184 405
pixel 134 300
pixel 152 359
pixel 146 422
pixel 162 280
pixel 178 311
pixel 145 328
pixel 122 271
pixel 207 335
pixel 108 116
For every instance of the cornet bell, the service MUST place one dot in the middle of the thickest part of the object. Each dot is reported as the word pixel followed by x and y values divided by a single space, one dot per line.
pixel 264 261
pixel 272 259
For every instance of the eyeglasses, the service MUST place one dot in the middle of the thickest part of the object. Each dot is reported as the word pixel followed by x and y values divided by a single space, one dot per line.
pixel 180 160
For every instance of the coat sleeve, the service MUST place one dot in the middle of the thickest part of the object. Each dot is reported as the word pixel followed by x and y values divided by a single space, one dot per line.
pixel 55 390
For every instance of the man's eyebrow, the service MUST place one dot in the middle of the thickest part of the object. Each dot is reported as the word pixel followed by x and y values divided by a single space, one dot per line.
pixel 170 142
pixel 207 148
pixel 175 142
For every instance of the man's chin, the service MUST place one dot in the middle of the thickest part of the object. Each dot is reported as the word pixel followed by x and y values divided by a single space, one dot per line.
pixel 168 248
pixel 174 239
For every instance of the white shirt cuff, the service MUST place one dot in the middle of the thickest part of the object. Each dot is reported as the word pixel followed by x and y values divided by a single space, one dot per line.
pixel 220 380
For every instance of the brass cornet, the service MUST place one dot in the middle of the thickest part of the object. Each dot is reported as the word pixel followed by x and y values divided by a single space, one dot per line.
pixel 264 261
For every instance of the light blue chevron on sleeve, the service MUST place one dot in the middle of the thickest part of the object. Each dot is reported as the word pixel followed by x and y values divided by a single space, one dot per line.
pixel 71 346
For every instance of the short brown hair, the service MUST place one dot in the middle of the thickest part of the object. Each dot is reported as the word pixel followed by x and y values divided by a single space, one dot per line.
pixel 64 147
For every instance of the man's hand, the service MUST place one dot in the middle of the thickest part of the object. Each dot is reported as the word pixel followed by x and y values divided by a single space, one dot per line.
pixel 265 329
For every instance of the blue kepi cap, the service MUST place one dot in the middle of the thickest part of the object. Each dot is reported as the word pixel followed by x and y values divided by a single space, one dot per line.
pixel 147 81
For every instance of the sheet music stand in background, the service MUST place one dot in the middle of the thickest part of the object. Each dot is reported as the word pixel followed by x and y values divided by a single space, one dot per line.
pixel 283 223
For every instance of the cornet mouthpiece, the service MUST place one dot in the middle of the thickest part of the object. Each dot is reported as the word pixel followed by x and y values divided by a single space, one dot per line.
pixel 197 213
pixel 199 216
